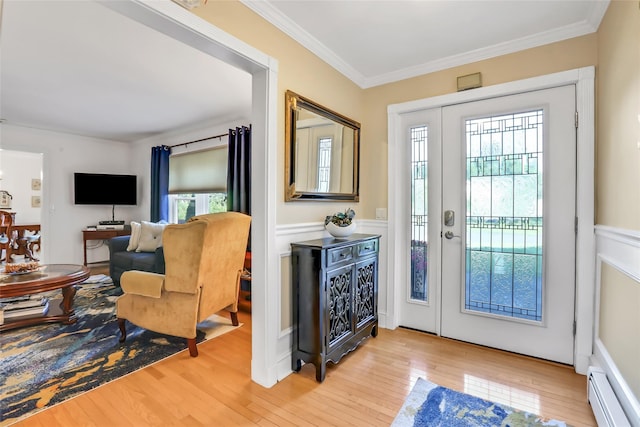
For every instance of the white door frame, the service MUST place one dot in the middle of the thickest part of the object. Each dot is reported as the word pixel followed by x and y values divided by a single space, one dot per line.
pixel 584 79
pixel 176 22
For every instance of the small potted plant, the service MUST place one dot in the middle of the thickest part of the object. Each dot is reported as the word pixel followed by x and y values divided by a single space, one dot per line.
pixel 341 224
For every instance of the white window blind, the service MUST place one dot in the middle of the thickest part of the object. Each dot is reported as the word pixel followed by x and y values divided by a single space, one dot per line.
pixel 199 172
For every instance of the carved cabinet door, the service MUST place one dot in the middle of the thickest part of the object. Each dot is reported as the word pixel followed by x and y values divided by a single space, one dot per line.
pixel 339 300
pixel 365 292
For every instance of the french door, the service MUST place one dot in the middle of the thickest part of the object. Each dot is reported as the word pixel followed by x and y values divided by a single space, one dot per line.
pixel 492 229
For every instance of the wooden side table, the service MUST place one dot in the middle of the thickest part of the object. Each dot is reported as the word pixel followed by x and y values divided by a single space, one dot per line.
pixel 101 235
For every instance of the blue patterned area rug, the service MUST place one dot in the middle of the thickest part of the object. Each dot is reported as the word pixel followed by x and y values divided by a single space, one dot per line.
pixel 431 405
pixel 43 365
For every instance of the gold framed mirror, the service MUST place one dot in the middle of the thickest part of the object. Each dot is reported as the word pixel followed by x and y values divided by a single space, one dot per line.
pixel 321 152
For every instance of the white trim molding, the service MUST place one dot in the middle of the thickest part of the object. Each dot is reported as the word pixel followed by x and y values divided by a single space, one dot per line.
pixel 584 80
pixel 178 23
pixel 620 249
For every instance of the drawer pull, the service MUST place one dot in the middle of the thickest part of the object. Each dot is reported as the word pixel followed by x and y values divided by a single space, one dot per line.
pixel 340 255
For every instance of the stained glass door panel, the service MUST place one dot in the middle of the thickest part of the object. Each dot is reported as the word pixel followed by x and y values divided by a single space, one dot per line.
pixel 419 214
pixel 504 220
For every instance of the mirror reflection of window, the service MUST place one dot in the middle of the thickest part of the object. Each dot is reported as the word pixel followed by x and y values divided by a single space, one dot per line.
pixel 324 164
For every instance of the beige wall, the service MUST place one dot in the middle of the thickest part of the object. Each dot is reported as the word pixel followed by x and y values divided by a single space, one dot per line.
pixel 566 55
pixel 620 323
pixel 614 50
pixel 300 71
pixel 618 113
pixel 304 73
pixel 618 178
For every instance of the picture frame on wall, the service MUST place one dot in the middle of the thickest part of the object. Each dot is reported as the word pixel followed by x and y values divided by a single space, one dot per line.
pixel 36 184
pixel 35 201
pixel 5 199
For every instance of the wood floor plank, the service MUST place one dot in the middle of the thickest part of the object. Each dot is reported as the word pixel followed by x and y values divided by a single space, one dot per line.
pixel 367 388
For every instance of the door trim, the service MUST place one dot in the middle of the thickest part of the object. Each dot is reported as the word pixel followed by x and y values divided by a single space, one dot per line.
pixel 584 79
pixel 180 24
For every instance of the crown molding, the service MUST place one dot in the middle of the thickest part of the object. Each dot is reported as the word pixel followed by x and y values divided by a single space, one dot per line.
pixel 598 9
pixel 274 16
pixel 512 46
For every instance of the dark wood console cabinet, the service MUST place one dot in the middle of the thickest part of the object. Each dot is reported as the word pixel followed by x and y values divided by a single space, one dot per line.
pixel 335 298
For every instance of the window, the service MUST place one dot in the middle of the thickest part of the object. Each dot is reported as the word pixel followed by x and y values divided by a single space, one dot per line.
pixel 197 184
pixel 419 213
pixel 324 164
pixel 184 206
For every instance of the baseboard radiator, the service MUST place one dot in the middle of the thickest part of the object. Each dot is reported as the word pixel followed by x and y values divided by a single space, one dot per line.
pixel 603 400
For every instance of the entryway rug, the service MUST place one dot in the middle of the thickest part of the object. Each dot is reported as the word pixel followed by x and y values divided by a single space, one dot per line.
pixel 43 365
pixel 431 405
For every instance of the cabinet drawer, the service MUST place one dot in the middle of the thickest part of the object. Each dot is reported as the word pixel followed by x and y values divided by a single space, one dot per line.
pixel 340 255
pixel 367 248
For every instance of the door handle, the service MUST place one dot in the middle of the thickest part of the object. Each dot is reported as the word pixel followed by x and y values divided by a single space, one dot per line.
pixel 449 235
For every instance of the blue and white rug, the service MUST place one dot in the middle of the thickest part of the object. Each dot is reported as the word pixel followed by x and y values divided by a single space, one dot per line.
pixel 431 405
pixel 43 365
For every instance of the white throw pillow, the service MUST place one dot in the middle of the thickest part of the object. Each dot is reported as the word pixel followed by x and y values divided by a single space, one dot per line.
pixel 135 236
pixel 150 236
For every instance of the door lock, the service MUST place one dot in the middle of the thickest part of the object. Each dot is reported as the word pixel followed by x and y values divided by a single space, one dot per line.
pixel 449 218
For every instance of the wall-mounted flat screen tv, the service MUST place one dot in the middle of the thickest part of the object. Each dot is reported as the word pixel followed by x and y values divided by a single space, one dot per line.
pixel 104 189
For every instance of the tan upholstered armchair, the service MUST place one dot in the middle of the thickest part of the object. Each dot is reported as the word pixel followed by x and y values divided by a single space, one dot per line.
pixel 204 259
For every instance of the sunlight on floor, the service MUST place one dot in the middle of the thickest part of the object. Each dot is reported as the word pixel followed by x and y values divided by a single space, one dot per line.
pixel 414 374
pixel 501 393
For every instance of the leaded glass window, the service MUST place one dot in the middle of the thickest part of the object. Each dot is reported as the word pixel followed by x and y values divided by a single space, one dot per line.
pixel 504 223
pixel 419 214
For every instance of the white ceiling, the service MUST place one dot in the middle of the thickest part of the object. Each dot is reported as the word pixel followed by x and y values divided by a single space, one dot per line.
pixel 81 68
pixel 381 41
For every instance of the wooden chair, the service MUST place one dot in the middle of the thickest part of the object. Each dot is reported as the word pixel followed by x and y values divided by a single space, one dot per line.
pixel 204 259
pixel 7 238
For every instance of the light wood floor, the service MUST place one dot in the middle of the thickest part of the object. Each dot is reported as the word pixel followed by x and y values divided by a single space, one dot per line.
pixel 367 388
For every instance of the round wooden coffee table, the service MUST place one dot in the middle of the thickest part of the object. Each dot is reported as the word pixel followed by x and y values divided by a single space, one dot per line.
pixel 49 278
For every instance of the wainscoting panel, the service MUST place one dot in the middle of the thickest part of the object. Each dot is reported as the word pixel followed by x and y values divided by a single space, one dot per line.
pixel 617 328
pixel 285 235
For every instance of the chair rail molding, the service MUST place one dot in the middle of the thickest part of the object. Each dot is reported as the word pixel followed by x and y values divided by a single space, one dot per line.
pixel 620 248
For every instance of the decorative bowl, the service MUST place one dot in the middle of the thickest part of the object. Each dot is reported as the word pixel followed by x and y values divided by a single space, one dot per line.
pixel 340 232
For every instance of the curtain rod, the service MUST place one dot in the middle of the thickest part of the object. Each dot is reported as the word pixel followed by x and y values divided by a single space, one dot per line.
pixel 199 140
